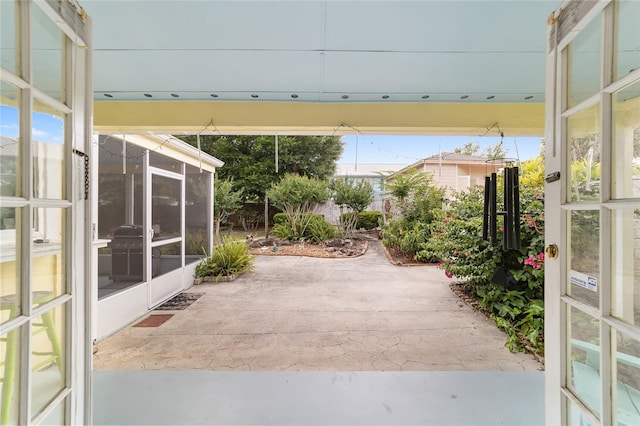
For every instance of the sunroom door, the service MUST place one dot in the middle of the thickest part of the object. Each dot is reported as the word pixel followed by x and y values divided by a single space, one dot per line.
pixel 165 254
pixel 592 287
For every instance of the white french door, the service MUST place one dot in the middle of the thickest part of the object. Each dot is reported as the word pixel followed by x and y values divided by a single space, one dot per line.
pixel 45 127
pixel 592 287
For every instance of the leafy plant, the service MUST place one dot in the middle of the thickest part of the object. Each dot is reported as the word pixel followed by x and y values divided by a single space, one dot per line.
pixel 353 196
pixel 369 219
pixel 420 202
pixel 456 240
pixel 226 201
pixel 297 196
pixel 318 229
pixel 229 258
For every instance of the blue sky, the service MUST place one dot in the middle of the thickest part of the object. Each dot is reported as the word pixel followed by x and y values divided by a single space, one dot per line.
pixel 46 127
pixel 408 149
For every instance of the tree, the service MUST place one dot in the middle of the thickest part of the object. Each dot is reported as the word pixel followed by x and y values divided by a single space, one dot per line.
pixel 352 195
pixel 494 151
pixel 297 197
pixel 402 185
pixel 250 160
pixel 469 148
pixel 226 201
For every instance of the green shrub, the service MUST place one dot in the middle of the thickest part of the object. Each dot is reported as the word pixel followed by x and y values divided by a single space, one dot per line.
pixel 283 230
pixel 456 240
pixel 280 218
pixel 319 230
pixel 366 220
pixel 316 230
pixel 229 258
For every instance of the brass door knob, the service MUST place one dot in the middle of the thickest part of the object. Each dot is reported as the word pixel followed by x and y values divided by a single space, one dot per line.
pixel 551 251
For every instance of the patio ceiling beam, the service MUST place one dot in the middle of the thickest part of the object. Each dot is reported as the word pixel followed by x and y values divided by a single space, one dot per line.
pixel 186 117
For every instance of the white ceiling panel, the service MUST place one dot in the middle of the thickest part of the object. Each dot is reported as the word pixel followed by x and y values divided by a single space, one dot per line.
pixel 206 24
pixel 192 71
pixel 437 26
pixel 463 73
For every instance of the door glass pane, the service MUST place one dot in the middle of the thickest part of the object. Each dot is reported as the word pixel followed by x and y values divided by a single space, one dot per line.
pixel 626 397
pixel 584 255
pixel 48 152
pixel 583 136
pixel 9 140
pixel 55 417
pixel 9 372
pixel 120 195
pixel 49 254
pixel 583 57
pixel 10 246
pixel 166 210
pixel 626 142
pixel 584 357
pixel 625 297
pixel 10 36
pixel 166 258
pixel 47 55
pixel 196 206
pixel 627 37
pixel 576 417
pixel 47 357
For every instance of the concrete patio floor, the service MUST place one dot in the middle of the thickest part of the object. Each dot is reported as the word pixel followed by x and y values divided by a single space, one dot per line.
pixel 309 314
pixel 307 341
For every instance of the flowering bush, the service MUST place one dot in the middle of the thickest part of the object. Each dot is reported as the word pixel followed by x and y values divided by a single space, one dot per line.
pixel 456 241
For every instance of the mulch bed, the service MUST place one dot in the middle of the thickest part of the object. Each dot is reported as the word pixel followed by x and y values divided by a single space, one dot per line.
pixel 327 249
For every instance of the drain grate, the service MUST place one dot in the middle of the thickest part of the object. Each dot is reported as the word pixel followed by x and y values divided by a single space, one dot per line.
pixel 154 320
pixel 179 302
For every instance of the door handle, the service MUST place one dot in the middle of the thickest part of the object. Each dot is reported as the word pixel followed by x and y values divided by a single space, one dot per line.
pixel 552 251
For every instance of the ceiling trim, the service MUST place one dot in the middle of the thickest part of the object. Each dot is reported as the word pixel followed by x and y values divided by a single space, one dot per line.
pixel 184 117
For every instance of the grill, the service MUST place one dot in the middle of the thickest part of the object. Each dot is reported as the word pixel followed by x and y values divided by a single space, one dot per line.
pixel 126 253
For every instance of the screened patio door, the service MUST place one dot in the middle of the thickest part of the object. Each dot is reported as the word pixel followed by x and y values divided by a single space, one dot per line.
pixel 165 249
pixel 592 282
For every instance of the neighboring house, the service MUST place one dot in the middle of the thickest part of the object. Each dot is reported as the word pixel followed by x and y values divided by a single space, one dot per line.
pixel 373 173
pixel 453 171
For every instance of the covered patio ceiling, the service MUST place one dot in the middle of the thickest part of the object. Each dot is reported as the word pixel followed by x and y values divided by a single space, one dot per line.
pixel 381 67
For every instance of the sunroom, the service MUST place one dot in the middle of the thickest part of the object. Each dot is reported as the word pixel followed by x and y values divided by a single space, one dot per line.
pixel 152 221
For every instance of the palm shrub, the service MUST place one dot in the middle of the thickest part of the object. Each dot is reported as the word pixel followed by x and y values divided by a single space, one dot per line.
pixel 419 203
pixel 229 258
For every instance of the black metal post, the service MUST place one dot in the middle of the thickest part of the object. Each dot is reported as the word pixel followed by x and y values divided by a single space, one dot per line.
pixel 486 215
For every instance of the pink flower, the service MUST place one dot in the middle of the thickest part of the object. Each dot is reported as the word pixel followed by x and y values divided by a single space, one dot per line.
pixel 531 261
pixel 448 274
pixel 541 257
